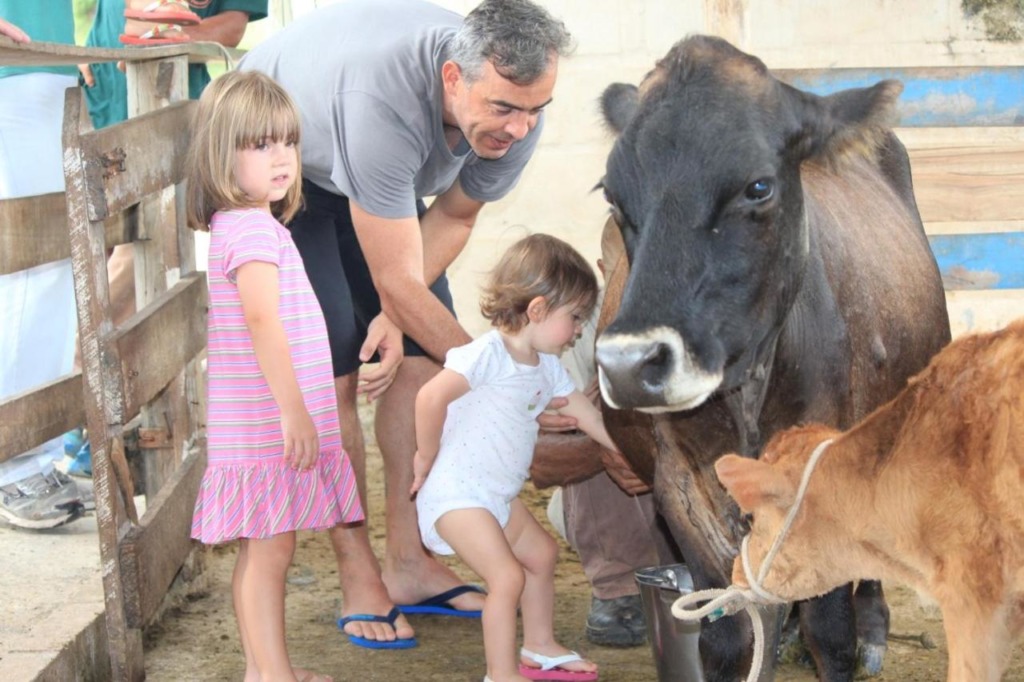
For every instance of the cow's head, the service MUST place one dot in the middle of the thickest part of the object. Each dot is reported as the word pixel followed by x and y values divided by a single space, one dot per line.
pixel 704 182
pixel 814 555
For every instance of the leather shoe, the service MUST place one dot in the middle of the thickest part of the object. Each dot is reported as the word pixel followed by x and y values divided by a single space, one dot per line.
pixel 617 622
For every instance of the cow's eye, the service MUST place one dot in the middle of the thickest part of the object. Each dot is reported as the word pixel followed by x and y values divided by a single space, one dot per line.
pixel 760 189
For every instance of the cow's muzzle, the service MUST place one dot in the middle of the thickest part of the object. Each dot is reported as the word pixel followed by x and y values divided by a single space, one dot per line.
pixel 651 372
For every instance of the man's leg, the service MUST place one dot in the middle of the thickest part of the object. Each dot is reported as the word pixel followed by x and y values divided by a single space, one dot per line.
pixel 410 572
pixel 614 535
pixel 362 589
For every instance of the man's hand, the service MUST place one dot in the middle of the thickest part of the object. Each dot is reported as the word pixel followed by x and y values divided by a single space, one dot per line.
pixel 420 469
pixel 87 76
pixel 552 422
pixel 620 472
pixel 13 32
pixel 384 338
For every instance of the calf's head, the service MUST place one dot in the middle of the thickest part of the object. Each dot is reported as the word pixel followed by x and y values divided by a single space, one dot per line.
pixel 704 182
pixel 813 556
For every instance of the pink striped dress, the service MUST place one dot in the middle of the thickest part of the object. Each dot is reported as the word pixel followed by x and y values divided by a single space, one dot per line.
pixel 247 490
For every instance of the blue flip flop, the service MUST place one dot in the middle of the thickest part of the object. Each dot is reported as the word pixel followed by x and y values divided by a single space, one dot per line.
pixel 376 643
pixel 439 604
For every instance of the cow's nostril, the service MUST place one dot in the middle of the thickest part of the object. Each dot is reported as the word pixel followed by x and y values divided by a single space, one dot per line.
pixel 654 366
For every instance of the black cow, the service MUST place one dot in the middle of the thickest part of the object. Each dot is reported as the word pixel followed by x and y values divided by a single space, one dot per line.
pixel 778 274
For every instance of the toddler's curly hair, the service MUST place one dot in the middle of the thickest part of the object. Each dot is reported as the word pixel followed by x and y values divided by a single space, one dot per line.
pixel 538 265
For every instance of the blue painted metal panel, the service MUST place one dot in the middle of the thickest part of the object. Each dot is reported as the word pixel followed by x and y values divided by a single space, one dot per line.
pixel 932 96
pixel 980 261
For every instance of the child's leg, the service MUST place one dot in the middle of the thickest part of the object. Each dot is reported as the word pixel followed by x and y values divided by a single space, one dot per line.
pixel 260 605
pixel 477 538
pixel 252 673
pixel 537 552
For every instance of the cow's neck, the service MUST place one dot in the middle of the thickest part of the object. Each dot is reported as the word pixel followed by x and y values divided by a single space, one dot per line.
pixel 745 404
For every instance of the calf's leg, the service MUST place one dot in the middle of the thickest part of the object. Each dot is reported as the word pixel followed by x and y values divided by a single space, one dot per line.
pixel 978 640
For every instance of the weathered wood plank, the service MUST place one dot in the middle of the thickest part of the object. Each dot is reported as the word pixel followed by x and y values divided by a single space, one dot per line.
pixel 38 53
pixel 127 161
pixel 932 96
pixel 983 310
pixel 36 231
pixel 34 417
pixel 103 394
pixel 980 261
pixel 152 552
pixel 156 343
pixel 974 227
pixel 969 183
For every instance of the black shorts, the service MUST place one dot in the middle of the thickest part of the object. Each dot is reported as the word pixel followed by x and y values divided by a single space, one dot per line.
pixel 324 235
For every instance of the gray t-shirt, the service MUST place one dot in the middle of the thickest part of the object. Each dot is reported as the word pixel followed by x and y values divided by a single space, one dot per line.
pixel 366 77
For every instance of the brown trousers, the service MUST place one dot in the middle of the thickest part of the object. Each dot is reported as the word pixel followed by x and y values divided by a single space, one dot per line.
pixel 614 533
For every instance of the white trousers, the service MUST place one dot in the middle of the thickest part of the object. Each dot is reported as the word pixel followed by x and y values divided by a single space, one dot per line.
pixel 38 323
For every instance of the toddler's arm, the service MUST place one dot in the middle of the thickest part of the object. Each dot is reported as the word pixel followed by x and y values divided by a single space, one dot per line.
pixel 431 409
pixel 258 288
pixel 588 419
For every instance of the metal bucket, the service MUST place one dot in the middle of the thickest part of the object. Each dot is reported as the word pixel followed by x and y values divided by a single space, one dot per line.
pixel 674 643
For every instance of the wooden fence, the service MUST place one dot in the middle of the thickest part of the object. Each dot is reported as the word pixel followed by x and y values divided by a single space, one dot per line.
pixel 141 380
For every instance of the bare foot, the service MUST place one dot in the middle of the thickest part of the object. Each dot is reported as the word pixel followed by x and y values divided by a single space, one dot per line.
pixel 414 581
pixel 369 596
pixel 536 655
pixel 362 590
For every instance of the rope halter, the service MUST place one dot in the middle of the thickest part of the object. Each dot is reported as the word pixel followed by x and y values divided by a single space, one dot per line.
pixel 733 599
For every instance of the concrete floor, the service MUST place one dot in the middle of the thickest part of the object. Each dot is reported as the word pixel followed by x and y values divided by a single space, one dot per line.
pixel 51 593
pixel 52 627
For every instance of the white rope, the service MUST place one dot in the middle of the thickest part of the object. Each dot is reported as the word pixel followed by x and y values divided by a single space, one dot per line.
pixel 733 599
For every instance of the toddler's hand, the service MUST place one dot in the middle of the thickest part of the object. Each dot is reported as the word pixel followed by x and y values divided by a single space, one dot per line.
pixel 420 469
pixel 301 441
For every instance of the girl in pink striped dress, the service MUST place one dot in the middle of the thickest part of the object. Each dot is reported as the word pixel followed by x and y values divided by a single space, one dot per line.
pixel 275 458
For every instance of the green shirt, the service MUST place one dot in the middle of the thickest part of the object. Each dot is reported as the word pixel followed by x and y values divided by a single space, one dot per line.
pixel 49 21
pixel 108 98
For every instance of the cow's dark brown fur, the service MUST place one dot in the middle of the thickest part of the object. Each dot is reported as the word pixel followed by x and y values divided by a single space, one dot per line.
pixel 926 491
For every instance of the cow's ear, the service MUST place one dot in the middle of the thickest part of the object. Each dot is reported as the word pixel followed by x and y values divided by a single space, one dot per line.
pixel 849 122
pixel 753 483
pixel 619 102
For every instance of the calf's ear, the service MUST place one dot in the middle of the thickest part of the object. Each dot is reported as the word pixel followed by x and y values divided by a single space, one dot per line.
pixel 753 483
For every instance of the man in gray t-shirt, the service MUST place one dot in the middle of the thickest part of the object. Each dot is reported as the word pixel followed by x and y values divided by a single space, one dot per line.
pixel 402 100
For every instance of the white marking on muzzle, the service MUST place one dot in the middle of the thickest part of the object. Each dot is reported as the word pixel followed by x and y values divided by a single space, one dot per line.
pixel 686 385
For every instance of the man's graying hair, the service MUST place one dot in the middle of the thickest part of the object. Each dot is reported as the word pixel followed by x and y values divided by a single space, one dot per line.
pixel 518 37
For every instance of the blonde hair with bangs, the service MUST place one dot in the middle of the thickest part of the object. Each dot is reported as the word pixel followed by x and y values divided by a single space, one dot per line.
pixel 237 111
pixel 538 265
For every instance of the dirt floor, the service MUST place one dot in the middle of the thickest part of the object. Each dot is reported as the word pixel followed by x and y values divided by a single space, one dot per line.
pixel 197 639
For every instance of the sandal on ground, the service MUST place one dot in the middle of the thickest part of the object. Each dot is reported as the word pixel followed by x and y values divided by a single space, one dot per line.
pixel 551 669
pixel 390 619
pixel 165 12
pixel 162 34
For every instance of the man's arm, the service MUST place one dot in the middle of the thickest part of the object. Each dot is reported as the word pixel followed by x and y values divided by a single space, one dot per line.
pixel 403 256
pixel 564 458
pixel 226 28
pixel 446 227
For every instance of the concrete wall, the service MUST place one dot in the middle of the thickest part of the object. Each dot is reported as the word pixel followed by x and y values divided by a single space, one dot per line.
pixel 619 40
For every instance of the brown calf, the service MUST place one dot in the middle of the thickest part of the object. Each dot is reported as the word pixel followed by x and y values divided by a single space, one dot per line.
pixel 928 490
